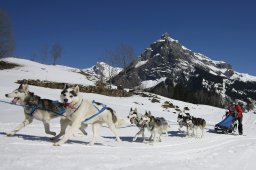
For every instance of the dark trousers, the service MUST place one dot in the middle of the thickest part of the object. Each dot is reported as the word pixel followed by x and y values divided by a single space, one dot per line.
pixel 240 125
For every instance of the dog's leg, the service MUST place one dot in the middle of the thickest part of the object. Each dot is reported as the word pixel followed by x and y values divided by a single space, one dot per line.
pixel 95 130
pixel 47 128
pixel 26 122
pixel 74 127
pixel 187 130
pixel 113 129
pixel 196 135
pixel 138 133
pixel 83 126
pixel 63 126
pixel 202 132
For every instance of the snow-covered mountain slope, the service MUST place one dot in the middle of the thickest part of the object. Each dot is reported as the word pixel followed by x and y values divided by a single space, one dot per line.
pixel 185 75
pixel 32 70
pixel 103 70
pixel 31 148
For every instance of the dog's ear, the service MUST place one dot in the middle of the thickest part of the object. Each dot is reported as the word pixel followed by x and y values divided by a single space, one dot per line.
pixel 135 109
pixel 130 109
pixel 149 113
pixel 76 89
pixel 20 87
pixel 25 87
pixel 146 113
pixel 65 86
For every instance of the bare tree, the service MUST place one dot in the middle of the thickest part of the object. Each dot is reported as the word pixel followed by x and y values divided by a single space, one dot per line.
pixel 33 57
pixel 121 56
pixel 7 44
pixel 44 54
pixel 56 52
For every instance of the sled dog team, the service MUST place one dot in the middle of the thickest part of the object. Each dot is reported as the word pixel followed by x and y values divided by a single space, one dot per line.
pixel 77 112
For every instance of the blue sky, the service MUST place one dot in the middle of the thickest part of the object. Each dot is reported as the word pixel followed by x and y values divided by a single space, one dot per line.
pixel 222 30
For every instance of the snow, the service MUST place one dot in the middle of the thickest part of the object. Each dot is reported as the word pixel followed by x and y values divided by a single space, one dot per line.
pixel 151 83
pixel 140 63
pixel 243 77
pixel 103 69
pixel 33 70
pixel 31 148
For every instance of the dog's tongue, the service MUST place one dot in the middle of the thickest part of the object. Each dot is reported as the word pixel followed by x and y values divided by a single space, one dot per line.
pixel 15 100
pixel 66 105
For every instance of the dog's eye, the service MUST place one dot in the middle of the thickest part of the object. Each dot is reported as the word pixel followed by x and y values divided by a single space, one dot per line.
pixel 64 94
pixel 16 92
pixel 71 96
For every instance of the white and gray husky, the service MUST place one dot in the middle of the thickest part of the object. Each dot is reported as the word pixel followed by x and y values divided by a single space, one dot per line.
pixel 135 117
pixel 79 111
pixel 35 107
pixel 156 125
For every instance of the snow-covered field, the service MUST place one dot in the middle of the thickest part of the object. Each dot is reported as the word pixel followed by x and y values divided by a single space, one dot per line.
pixel 32 149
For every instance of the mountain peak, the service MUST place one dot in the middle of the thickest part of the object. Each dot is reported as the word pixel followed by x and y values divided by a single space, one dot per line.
pixel 170 64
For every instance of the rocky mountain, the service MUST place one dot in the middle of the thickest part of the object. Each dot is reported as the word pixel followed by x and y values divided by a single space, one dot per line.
pixel 170 69
pixel 103 70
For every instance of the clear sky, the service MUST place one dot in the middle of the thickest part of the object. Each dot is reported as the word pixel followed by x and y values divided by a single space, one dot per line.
pixel 221 29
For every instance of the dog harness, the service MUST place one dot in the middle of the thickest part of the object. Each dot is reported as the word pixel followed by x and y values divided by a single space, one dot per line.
pixel 58 108
pixel 104 107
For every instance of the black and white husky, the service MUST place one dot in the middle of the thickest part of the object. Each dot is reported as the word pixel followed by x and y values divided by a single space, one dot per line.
pixel 135 117
pixel 182 120
pixel 156 125
pixel 196 123
pixel 80 111
pixel 35 107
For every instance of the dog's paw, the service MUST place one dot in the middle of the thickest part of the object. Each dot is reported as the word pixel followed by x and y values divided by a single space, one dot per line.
pixel 57 144
pixel 10 134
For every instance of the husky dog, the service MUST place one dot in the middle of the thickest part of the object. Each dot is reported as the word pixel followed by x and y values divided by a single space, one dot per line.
pixel 35 107
pixel 182 120
pixel 135 117
pixel 156 125
pixel 79 110
pixel 196 123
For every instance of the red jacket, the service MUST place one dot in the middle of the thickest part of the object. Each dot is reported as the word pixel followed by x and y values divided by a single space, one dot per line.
pixel 239 111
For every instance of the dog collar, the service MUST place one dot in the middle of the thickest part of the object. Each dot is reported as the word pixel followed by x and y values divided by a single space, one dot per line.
pixel 71 107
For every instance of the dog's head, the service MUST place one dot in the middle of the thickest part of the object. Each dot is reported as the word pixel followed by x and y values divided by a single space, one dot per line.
pixel 19 94
pixel 145 119
pixel 69 96
pixel 133 115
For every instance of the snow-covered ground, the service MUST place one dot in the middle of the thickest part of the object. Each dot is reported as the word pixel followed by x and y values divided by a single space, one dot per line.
pixel 32 149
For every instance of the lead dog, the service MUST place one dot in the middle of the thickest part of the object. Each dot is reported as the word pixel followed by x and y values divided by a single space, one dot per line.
pixel 135 117
pixel 79 110
pixel 35 107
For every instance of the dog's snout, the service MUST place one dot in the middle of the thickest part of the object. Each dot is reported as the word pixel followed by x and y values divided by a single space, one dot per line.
pixel 65 100
pixel 6 95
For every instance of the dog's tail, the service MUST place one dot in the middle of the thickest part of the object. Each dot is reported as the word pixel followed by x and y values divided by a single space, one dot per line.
pixel 118 122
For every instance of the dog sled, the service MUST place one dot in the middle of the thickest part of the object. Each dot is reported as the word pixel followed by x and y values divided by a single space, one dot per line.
pixel 227 125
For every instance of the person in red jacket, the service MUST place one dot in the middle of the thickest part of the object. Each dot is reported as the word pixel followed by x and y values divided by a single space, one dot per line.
pixel 239 113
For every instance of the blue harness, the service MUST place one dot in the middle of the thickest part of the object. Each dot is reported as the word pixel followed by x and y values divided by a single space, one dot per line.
pixel 58 109
pixel 98 113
